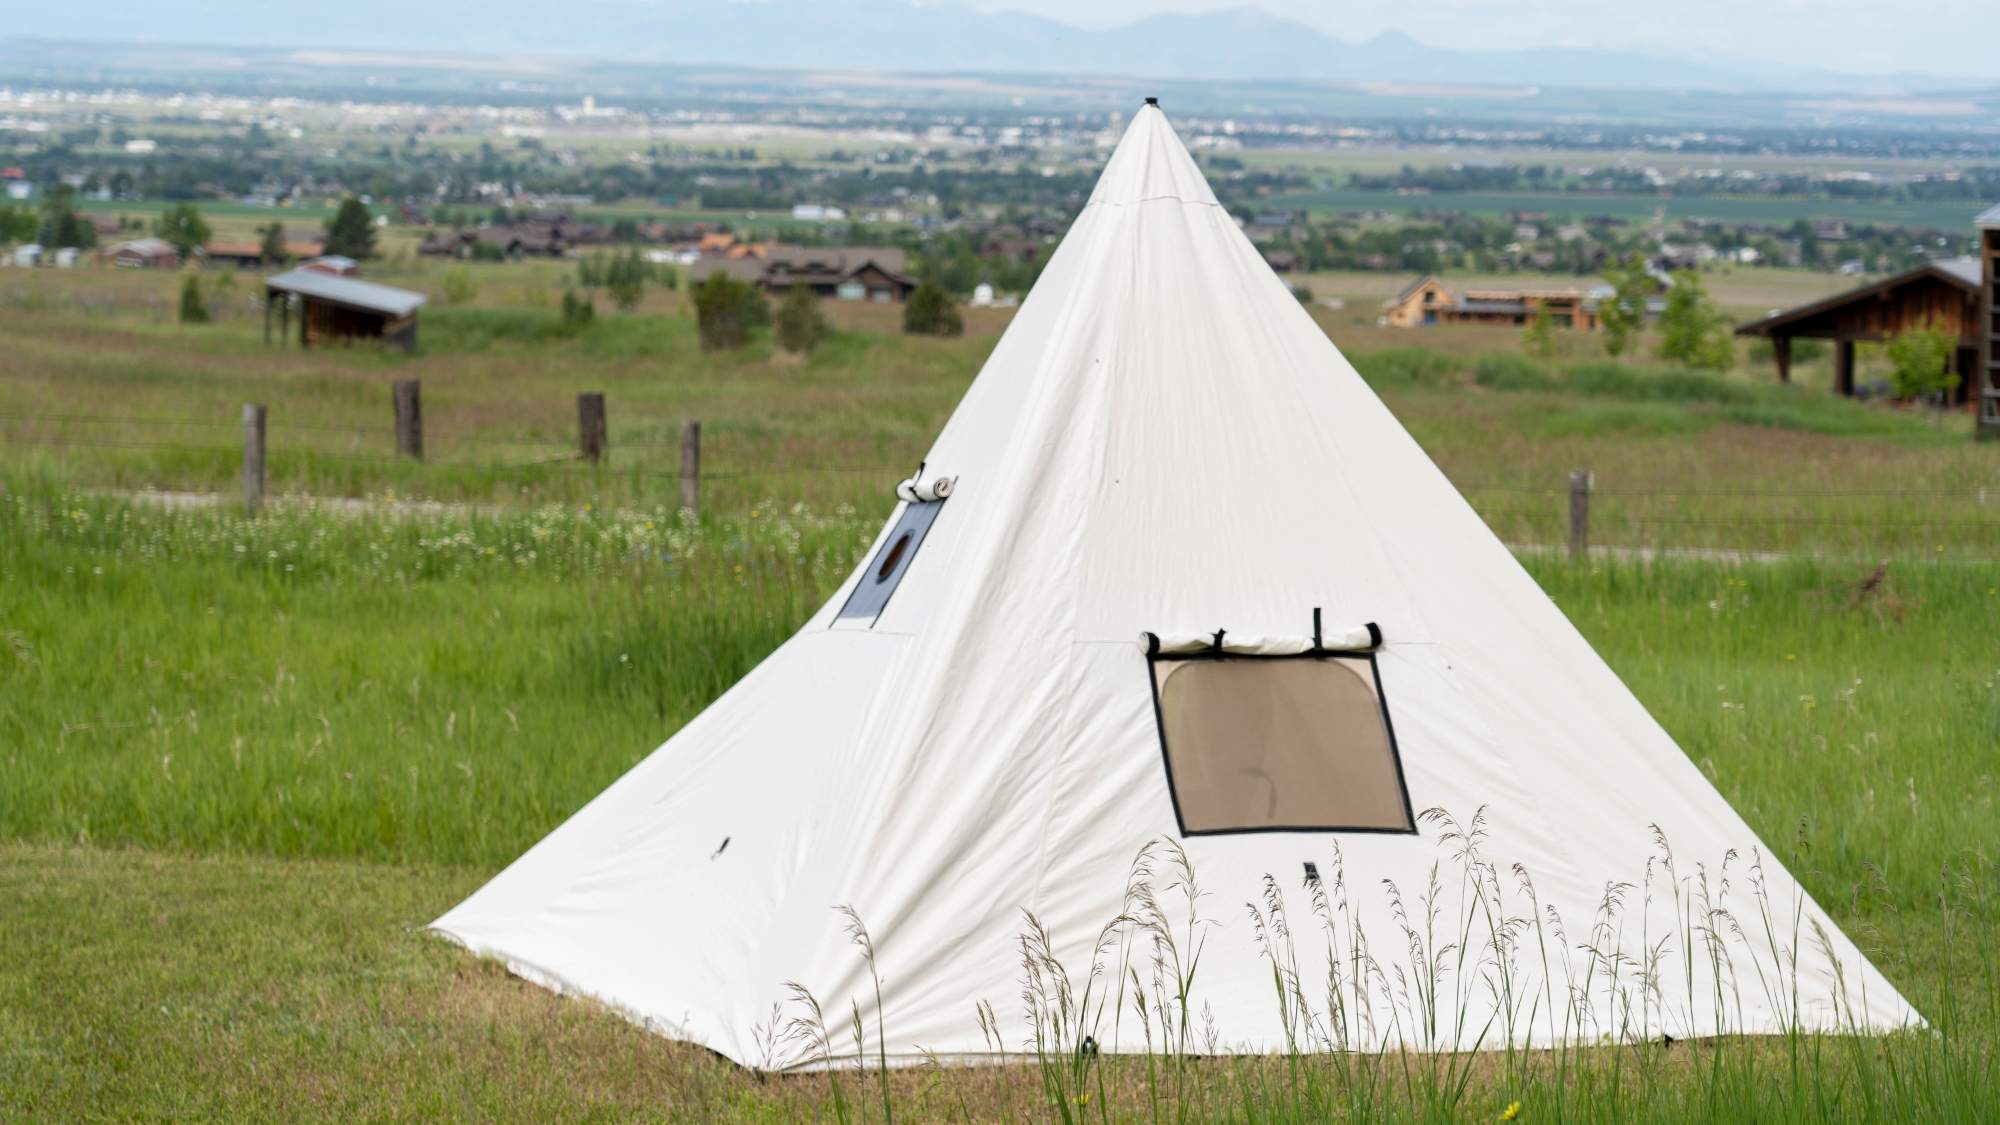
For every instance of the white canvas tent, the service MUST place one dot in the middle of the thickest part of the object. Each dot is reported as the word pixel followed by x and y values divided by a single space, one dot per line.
pixel 1172 574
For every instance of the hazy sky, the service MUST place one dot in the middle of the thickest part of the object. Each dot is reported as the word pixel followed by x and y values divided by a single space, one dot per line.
pixel 1944 37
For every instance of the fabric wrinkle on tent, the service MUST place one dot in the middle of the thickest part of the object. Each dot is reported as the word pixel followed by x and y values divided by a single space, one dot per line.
pixel 1162 442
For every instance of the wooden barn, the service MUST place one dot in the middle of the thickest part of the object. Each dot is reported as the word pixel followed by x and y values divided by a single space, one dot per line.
pixel 333 309
pixel 1945 293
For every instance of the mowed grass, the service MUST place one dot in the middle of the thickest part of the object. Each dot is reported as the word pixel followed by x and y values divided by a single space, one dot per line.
pixel 247 760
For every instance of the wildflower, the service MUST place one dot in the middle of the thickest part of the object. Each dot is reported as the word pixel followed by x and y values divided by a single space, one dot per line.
pixel 1791 656
pixel 1512 1111
pixel 1083 1098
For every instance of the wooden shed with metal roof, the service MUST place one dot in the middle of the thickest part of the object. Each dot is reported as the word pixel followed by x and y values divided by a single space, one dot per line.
pixel 333 308
pixel 1943 293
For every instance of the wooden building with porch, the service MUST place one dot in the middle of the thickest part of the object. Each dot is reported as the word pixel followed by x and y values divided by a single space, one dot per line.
pixel 336 309
pixel 1944 293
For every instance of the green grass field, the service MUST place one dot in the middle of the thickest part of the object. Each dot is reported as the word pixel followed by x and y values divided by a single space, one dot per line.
pixel 1940 214
pixel 247 759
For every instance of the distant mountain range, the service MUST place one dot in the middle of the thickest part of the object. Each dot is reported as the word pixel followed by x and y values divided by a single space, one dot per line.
pixel 1235 44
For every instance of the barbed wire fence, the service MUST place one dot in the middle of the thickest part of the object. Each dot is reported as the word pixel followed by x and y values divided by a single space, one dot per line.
pixel 1578 515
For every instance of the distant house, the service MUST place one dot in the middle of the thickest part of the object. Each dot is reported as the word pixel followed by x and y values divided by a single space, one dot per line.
pixel 1417 304
pixel 336 309
pixel 1426 301
pixel 847 273
pixel 1017 250
pixel 1282 261
pixel 250 255
pixel 542 235
pixel 143 254
pixel 336 264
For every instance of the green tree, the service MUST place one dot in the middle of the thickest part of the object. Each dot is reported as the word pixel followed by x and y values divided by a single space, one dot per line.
pixel 1921 356
pixel 930 312
pixel 17 224
pixel 1623 314
pixel 459 287
pixel 725 310
pixel 800 323
pixel 625 279
pixel 62 225
pixel 351 231
pixel 1693 331
pixel 272 248
pixel 194 306
pixel 1539 337
pixel 183 226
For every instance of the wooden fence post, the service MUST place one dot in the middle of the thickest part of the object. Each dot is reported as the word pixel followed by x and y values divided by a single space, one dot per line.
pixel 253 457
pixel 590 428
pixel 410 418
pixel 1579 513
pixel 691 465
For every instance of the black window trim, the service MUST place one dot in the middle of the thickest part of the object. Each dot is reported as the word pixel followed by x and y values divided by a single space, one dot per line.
pixel 1216 652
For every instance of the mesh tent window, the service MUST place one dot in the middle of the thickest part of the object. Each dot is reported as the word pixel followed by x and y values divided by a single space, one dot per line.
pixel 1278 743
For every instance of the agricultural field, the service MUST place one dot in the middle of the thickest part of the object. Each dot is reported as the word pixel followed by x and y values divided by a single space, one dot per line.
pixel 249 758
pixel 1937 214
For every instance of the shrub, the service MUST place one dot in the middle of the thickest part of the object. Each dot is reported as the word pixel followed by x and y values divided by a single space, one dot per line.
pixel 577 310
pixel 459 287
pixel 194 306
pixel 1538 339
pixel 1613 380
pixel 1405 367
pixel 930 312
pixel 625 279
pixel 725 310
pixel 801 325
pixel 1922 359
pixel 1512 373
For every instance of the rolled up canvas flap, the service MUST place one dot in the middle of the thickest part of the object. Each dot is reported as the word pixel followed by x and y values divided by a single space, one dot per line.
pixel 1357 638
pixel 918 490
